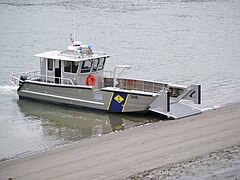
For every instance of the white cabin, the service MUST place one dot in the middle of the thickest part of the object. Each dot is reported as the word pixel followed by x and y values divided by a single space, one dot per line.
pixel 73 66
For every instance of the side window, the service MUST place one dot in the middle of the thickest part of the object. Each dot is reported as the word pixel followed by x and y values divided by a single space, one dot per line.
pixel 50 64
pixel 67 66
pixel 74 67
pixel 95 65
pixel 70 66
pixel 86 66
pixel 42 62
pixel 101 63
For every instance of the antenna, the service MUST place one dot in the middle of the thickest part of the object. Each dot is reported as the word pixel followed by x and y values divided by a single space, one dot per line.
pixel 71 39
pixel 74 24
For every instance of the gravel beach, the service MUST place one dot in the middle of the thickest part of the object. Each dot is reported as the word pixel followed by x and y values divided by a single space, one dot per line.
pixel 224 164
pixel 171 145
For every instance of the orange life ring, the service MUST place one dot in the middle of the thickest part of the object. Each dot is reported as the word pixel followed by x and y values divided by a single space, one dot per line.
pixel 91 80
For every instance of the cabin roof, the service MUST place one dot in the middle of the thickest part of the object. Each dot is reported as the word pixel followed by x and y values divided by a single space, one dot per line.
pixel 71 55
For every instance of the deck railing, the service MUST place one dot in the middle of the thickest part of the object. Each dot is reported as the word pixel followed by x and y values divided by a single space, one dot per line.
pixel 54 80
pixel 135 84
pixel 30 75
pixel 140 85
pixel 143 85
pixel 36 76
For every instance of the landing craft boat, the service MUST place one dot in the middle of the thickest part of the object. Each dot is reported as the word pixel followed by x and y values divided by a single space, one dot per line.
pixel 76 77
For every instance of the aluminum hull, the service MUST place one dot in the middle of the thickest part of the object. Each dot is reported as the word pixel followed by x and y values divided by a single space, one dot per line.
pixel 107 99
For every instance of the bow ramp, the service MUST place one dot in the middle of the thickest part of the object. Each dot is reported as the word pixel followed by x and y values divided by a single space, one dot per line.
pixel 168 102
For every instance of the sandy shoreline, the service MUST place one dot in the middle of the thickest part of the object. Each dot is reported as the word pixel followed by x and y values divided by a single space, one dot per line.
pixel 122 154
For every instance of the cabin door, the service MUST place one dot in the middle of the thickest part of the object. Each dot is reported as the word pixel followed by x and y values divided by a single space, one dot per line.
pixel 57 71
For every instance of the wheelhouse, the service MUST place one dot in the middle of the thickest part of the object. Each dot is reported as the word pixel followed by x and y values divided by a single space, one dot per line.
pixel 73 66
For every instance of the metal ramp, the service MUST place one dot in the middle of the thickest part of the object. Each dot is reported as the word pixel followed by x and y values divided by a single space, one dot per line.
pixel 177 111
pixel 167 104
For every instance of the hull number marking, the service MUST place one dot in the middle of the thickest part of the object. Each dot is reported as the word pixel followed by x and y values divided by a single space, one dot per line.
pixel 133 96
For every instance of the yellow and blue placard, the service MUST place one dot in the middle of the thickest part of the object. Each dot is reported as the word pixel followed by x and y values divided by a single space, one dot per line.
pixel 117 102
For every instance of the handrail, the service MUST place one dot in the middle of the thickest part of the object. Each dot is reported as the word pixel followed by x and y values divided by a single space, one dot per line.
pixel 115 76
pixel 14 80
pixel 110 72
pixel 15 77
pixel 36 76
pixel 52 78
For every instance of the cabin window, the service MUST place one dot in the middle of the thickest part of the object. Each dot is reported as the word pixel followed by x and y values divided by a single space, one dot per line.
pixel 70 66
pixel 95 65
pixel 101 63
pixel 41 63
pixel 50 64
pixel 74 67
pixel 86 66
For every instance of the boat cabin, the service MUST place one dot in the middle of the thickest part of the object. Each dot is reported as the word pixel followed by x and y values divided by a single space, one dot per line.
pixel 78 65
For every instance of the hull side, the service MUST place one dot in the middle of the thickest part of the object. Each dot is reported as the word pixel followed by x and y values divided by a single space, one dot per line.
pixel 61 95
pixel 86 97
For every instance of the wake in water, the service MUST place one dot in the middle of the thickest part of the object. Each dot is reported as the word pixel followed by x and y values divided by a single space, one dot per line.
pixel 8 89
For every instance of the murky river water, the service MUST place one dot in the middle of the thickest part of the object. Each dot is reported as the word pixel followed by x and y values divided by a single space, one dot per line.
pixel 177 41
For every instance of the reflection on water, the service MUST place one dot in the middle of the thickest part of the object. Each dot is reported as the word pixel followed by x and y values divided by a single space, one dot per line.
pixel 74 124
pixel 54 125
